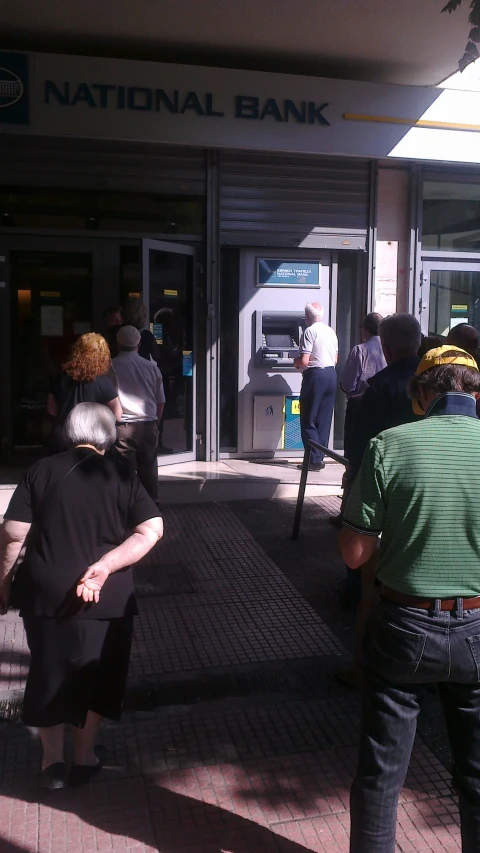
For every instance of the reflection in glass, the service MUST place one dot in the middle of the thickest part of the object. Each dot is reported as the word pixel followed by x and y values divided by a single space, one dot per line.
pixel 51 307
pixel 451 216
pixel 171 321
pixel 454 298
pixel 100 211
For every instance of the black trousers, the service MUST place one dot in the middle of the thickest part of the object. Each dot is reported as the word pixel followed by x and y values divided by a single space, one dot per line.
pixel 317 399
pixel 351 415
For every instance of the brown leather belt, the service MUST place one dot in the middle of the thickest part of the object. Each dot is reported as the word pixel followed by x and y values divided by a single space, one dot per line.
pixel 427 603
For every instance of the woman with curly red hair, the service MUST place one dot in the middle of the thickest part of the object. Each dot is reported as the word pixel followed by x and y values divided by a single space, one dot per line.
pixel 83 379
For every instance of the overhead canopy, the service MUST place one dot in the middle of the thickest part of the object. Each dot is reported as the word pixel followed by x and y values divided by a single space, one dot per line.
pixel 395 41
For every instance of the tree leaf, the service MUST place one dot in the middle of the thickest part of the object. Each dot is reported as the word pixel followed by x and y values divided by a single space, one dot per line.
pixel 474 34
pixel 474 15
pixel 471 50
pixel 451 6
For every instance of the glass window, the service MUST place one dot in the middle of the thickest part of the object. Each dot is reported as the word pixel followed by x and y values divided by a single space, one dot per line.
pixel 51 307
pixel 170 284
pixel 451 216
pixel 105 211
pixel 130 272
pixel 454 298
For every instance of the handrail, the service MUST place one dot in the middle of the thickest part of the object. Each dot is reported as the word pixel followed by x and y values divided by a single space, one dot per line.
pixel 303 479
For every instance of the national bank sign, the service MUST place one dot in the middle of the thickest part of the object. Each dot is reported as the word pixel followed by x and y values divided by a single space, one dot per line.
pixel 99 98
pixel 14 99
pixel 145 99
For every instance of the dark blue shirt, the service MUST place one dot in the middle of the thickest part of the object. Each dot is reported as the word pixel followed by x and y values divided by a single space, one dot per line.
pixel 384 405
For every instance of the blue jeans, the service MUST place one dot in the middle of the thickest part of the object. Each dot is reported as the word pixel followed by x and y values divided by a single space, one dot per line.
pixel 407 649
pixel 317 399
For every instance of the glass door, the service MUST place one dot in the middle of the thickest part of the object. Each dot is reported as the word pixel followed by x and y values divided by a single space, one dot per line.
pixel 450 294
pixel 168 292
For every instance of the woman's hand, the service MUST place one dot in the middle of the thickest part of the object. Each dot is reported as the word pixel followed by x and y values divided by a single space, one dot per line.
pixel 92 582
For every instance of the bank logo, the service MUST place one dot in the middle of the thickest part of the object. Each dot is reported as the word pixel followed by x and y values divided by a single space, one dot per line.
pixel 14 88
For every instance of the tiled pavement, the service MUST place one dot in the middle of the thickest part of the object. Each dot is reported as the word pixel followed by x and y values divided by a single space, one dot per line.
pixel 268 773
pixel 210 600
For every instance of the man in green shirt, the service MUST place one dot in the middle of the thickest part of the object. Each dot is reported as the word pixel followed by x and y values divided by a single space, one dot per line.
pixel 419 487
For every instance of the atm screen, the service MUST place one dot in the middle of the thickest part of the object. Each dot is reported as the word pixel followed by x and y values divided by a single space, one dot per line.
pixel 278 341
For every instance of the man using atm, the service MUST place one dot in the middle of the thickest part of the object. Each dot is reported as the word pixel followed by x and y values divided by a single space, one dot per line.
pixel 317 359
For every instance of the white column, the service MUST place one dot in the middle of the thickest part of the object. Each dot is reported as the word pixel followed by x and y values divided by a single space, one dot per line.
pixel 391 262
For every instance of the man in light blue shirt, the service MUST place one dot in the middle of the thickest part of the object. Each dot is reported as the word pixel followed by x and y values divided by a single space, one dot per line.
pixel 140 388
pixel 365 360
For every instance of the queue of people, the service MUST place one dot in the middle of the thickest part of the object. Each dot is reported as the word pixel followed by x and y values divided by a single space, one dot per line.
pixel 410 539
pixel 410 531
pixel 411 526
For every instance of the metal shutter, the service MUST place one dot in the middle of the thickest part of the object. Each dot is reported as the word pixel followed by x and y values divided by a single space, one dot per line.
pixel 97 164
pixel 283 200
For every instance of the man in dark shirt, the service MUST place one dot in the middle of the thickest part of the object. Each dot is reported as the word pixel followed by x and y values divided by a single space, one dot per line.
pixel 112 320
pixel 464 336
pixel 385 404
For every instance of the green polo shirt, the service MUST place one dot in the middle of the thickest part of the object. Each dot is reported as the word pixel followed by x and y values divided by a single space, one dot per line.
pixel 419 486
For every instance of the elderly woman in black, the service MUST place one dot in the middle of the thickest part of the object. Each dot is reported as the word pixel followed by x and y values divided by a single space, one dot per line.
pixel 85 521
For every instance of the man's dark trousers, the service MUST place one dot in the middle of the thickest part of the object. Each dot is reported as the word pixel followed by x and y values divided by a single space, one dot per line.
pixel 317 399
pixel 137 441
pixel 406 650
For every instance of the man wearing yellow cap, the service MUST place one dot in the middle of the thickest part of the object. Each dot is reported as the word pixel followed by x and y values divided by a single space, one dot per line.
pixel 419 487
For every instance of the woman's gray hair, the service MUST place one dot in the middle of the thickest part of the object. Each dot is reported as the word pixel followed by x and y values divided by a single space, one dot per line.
pixel 314 312
pixel 91 423
pixel 134 313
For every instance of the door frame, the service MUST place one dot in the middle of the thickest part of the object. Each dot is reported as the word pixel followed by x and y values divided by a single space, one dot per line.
pixel 427 267
pixel 149 244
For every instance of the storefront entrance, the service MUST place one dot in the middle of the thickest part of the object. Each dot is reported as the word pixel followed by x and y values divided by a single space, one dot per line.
pixel 57 288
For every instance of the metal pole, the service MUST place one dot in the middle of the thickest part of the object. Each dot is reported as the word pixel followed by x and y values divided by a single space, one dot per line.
pixel 301 492
pixel 303 480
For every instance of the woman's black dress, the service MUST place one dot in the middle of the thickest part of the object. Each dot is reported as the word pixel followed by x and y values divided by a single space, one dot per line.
pixel 80 506
pixel 68 392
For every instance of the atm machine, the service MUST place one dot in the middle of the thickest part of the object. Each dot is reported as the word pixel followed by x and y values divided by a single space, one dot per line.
pixel 274 289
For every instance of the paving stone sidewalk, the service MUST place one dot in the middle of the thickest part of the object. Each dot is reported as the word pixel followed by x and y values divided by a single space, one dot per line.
pixel 265 772
pixel 210 600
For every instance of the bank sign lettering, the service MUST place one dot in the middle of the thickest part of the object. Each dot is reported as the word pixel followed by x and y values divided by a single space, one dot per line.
pixel 15 97
pixel 145 99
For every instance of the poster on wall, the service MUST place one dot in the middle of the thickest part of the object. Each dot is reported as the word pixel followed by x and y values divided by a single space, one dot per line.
pixel 272 272
pixel 51 321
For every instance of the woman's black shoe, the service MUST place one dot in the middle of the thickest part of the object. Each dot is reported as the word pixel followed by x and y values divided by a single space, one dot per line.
pixel 80 774
pixel 54 777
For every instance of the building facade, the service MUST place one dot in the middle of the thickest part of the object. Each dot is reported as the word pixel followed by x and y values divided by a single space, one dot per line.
pixel 226 199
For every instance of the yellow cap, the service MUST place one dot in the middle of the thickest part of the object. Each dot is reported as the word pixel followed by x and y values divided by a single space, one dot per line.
pixel 436 357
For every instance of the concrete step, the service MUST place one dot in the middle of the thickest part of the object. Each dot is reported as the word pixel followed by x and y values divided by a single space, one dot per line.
pixel 227 480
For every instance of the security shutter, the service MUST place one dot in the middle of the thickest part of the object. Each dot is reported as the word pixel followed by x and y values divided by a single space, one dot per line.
pixel 293 200
pixel 101 165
